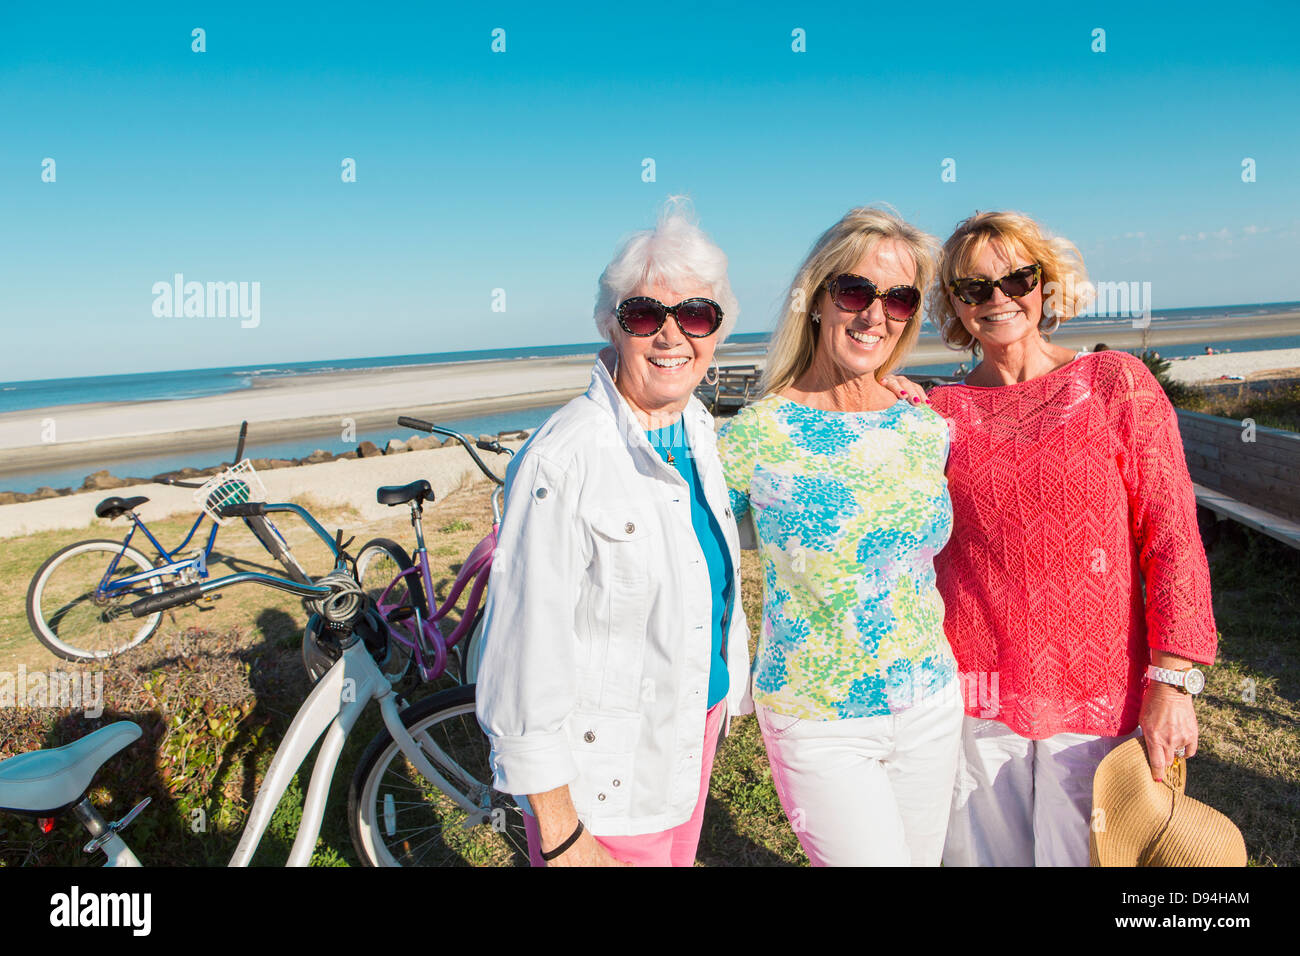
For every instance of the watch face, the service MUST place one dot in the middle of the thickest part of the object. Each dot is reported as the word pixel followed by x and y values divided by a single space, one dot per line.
pixel 1194 681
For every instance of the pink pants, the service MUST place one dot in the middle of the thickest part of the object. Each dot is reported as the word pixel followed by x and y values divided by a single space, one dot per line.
pixel 674 847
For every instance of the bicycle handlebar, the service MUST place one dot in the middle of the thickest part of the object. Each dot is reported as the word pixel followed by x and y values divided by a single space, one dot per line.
pixel 244 509
pixel 192 592
pixel 161 602
pixel 421 425
pixel 177 483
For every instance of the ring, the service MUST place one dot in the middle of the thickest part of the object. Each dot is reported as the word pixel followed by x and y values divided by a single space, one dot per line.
pixel 1180 752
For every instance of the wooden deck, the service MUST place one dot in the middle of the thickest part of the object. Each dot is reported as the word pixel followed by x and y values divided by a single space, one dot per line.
pixel 1251 476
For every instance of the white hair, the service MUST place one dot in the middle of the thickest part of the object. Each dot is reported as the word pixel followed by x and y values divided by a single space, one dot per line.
pixel 676 253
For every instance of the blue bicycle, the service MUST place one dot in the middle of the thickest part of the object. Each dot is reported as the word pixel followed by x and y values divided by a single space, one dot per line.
pixel 78 601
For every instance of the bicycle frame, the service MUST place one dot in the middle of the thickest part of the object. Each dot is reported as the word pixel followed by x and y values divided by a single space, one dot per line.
pixel 199 562
pixel 477 566
pixel 332 710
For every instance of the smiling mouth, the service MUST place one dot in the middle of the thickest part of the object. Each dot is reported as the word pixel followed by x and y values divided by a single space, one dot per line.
pixel 867 339
pixel 669 364
pixel 1001 316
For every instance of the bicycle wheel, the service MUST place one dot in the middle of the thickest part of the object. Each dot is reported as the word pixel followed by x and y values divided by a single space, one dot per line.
pixel 378 563
pixel 400 819
pixel 77 620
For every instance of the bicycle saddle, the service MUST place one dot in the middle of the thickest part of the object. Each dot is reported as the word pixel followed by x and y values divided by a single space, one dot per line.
pixel 47 781
pixel 113 506
pixel 400 494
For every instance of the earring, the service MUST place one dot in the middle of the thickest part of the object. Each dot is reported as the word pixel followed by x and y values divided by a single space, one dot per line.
pixel 816 316
pixel 713 370
pixel 1056 324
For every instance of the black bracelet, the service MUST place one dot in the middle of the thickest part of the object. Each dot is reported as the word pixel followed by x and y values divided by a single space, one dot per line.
pixel 549 855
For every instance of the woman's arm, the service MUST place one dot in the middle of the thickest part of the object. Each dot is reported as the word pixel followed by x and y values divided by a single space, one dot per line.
pixel 1179 609
pixel 526 685
pixel 556 820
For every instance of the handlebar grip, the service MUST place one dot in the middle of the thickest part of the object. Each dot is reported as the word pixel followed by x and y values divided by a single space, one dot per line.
pixel 243 509
pixel 160 602
pixel 419 424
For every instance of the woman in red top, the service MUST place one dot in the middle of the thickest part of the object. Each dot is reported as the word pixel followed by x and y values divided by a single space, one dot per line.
pixel 1070 495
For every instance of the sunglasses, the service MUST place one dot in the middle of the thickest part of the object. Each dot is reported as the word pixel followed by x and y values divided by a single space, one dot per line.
pixel 854 293
pixel 642 316
pixel 976 291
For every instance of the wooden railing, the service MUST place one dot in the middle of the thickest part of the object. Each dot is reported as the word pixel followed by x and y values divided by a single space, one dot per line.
pixel 1245 472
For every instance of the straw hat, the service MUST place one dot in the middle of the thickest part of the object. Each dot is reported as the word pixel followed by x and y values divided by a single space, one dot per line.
pixel 1137 821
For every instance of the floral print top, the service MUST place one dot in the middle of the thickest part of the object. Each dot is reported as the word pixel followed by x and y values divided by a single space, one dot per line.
pixel 850 509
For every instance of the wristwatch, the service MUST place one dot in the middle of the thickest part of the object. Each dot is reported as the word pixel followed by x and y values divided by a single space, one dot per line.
pixel 1190 681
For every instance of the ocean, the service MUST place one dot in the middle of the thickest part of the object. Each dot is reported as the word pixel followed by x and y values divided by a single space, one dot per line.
pixel 191 383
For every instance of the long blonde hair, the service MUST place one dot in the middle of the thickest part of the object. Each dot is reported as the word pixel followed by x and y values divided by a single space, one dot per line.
pixel 1066 289
pixel 839 249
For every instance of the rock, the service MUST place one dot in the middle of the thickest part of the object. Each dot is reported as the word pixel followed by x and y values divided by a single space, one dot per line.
pixel 423 444
pixel 349 455
pixel 281 463
pixel 394 447
pixel 9 497
pixel 101 480
pixel 368 449
pixel 450 443
pixel 260 464
pixel 318 456
pixel 44 491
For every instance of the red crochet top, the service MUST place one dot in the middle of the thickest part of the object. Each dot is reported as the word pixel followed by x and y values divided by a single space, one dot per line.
pixel 1069 493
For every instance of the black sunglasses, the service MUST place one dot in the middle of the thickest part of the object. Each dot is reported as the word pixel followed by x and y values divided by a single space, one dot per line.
pixel 642 316
pixel 854 293
pixel 974 290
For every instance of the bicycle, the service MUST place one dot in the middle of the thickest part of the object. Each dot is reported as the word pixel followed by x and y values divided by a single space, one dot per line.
pixel 344 627
pixel 402 588
pixel 77 600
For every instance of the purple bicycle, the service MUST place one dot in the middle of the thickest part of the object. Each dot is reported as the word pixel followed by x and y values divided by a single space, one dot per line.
pixel 401 585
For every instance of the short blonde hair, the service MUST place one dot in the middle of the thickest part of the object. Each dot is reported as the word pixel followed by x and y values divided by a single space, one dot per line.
pixel 839 249
pixel 1066 289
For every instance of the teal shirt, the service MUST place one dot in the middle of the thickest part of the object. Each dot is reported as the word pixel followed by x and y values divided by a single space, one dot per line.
pixel 672 439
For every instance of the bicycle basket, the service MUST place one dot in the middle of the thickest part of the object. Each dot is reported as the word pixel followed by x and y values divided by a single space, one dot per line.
pixel 236 485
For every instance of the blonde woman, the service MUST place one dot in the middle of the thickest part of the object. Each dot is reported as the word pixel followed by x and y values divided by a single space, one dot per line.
pixel 1070 498
pixel 854 681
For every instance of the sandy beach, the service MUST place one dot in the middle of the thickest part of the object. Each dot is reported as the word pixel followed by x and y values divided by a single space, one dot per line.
pixel 326 403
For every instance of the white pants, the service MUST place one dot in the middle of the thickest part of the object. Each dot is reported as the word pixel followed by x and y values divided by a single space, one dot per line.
pixel 867 791
pixel 1022 802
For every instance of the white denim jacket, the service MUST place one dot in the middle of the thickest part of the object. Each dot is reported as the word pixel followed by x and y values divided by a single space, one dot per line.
pixel 597 639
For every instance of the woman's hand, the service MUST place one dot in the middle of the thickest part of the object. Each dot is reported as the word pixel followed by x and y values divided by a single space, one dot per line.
pixel 588 851
pixel 905 388
pixel 556 821
pixel 1168 722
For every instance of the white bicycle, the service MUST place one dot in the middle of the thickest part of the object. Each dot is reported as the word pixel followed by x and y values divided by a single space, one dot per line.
pixel 421 794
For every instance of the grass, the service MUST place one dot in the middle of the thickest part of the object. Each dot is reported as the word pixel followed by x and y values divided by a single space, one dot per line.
pixel 215 691
pixel 1274 407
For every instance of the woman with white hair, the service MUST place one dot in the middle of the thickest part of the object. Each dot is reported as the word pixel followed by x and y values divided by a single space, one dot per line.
pixel 854 681
pixel 615 643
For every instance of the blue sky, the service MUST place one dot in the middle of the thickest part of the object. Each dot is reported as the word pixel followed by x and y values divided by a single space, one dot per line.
pixel 521 170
